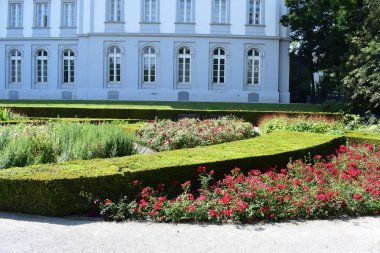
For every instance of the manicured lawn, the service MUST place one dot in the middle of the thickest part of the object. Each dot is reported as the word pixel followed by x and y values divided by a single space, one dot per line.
pixel 164 105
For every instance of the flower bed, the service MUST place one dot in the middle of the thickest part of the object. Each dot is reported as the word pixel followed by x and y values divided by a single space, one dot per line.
pixel 189 133
pixel 316 124
pixel 346 184
pixel 26 144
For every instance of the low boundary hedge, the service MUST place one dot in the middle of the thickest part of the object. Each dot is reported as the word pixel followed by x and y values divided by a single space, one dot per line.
pixel 54 189
pixel 359 137
pixel 150 114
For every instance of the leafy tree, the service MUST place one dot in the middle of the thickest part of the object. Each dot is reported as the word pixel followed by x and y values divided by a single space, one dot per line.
pixel 341 38
pixel 363 79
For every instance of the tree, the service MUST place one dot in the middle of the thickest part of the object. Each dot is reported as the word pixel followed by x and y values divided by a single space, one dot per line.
pixel 340 38
pixel 363 79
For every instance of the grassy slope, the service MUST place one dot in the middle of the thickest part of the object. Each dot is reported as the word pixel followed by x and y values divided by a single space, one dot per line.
pixel 164 105
pixel 275 143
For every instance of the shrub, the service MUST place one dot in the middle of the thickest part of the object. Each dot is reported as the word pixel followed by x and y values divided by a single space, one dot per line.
pixel 22 144
pixel 189 133
pixel 7 115
pixel 301 124
pixel 346 184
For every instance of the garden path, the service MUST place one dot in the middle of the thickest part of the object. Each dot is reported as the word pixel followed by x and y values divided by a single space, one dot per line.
pixel 25 233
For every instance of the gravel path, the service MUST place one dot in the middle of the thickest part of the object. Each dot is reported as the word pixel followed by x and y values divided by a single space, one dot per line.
pixel 24 233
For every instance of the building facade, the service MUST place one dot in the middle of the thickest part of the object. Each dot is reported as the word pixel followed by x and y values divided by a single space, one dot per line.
pixel 164 50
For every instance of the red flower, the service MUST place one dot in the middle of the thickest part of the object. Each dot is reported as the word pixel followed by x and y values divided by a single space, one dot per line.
pixel 357 196
pixel 136 182
pixel 212 213
pixel 108 202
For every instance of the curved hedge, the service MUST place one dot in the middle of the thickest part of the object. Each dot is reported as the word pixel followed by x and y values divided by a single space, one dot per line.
pixel 54 189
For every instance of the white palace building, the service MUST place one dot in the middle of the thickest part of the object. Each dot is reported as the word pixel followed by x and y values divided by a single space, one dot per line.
pixel 157 50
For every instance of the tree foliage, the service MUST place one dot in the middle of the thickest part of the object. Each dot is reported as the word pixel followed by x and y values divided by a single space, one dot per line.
pixel 341 38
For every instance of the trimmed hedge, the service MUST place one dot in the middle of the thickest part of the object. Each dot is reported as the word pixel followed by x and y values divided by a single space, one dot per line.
pixel 151 114
pixel 359 138
pixel 54 189
pixel 77 120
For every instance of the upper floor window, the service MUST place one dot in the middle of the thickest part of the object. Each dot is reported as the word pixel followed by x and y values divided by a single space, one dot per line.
pixel 185 11
pixel 219 66
pixel 114 65
pixel 69 13
pixel 184 66
pixel 15 58
pixel 41 67
pixel 151 11
pixel 41 15
pixel 149 65
pixel 115 11
pixel 220 13
pixel 253 62
pixel 68 66
pixel 15 15
pixel 254 12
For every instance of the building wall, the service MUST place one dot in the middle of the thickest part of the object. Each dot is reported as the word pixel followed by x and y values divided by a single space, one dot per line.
pixel 92 36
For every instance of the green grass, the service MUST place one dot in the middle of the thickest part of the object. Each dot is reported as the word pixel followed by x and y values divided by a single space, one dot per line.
pixel 163 105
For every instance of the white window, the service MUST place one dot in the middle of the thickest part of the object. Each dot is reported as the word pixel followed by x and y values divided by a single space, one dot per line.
pixel 68 67
pixel 114 65
pixel 149 65
pixel 185 11
pixel 15 58
pixel 253 63
pixel 15 15
pixel 220 11
pixel 41 67
pixel 115 10
pixel 254 12
pixel 69 14
pixel 219 66
pixel 184 66
pixel 41 16
pixel 151 9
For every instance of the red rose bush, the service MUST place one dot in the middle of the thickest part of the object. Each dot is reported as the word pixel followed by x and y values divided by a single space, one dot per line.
pixel 346 184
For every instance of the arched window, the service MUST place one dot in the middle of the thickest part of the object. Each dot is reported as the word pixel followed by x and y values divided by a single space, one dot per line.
pixel 253 63
pixel 114 65
pixel 15 58
pixel 184 65
pixel 115 10
pixel 254 12
pixel 41 67
pixel 149 65
pixel 68 66
pixel 219 66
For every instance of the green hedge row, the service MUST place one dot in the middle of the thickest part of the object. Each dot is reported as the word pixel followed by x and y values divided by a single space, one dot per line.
pixel 150 114
pixel 359 137
pixel 54 189
pixel 78 120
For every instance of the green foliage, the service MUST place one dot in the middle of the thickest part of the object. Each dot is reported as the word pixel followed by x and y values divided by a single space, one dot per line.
pixel 189 133
pixel 55 189
pixel 22 144
pixel 301 124
pixel 7 114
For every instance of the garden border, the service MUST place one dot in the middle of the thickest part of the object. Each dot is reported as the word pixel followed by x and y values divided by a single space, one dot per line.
pixel 54 189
